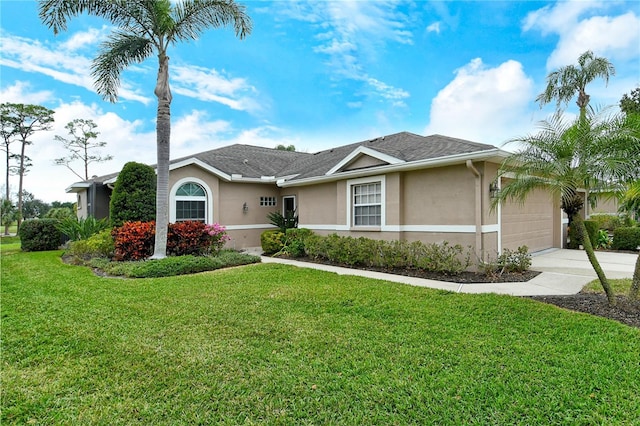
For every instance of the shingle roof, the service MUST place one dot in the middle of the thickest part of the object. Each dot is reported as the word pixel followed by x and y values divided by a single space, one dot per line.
pixel 255 162
pixel 404 146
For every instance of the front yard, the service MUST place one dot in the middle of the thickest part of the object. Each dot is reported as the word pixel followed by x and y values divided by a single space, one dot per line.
pixel 274 344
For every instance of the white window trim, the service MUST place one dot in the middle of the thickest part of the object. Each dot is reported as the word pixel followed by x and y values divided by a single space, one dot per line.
pixel 295 205
pixel 208 196
pixel 383 196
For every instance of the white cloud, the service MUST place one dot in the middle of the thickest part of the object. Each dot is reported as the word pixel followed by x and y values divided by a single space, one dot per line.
pixel 21 93
pixel 614 37
pixel 83 39
pixel 210 85
pixel 54 61
pixel 353 34
pixel 434 28
pixel 194 132
pixel 483 104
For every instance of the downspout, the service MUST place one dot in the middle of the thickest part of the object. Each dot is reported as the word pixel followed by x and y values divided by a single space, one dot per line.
pixel 478 211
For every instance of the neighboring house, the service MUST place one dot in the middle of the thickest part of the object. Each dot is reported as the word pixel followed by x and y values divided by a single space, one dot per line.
pixel 400 186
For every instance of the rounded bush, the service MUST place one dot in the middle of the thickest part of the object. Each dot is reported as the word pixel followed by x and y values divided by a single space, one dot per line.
pixel 40 235
pixel 272 241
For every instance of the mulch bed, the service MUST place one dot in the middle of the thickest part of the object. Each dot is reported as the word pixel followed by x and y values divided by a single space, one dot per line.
pixel 462 277
pixel 626 311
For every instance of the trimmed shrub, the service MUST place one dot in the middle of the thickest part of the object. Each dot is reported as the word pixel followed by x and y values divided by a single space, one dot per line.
pixel 134 240
pixel 134 195
pixel 611 222
pixel 574 238
pixel 39 235
pixel 100 245
pixel 445 258
pixel 295 241
pixel 187 238
pixel 272 241
pixel 626 238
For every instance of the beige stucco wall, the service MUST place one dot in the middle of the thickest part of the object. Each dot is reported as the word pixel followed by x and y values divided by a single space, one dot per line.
pixel 442 196
pixel 82 205
pixel 321 204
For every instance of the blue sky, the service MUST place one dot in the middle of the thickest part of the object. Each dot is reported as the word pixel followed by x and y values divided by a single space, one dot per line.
pixel 318 74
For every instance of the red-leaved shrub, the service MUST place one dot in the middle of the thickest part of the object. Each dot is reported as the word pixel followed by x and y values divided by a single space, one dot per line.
pixel 134 240
pixel 187 237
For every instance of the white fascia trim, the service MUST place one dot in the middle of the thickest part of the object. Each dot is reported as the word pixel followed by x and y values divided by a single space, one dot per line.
pixel 110 181
pixel 363 150
pixel 244 227
pixel 565 220
pixel 199 163
pixel 77 187
pixel 413 165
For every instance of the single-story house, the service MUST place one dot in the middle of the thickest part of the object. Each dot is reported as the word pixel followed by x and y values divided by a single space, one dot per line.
pixel 400 186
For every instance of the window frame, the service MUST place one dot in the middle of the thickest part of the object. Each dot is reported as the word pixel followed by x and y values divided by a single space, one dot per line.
pixel 351 205
pixel 207 198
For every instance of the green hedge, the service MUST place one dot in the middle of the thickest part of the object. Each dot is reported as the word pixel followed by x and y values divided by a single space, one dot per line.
pixel 626 238
pixel 272 241
pixel 40 235
pixel 592 230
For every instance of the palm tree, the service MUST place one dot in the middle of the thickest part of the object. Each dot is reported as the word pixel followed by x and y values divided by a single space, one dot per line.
pixel 563 83
pixel 631 196
pixel 590 154
pixel 145 27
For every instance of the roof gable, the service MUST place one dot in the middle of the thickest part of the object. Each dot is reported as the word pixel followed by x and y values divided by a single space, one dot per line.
pixel 363 153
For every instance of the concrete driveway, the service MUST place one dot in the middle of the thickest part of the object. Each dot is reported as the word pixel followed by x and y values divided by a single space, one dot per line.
pixel 575 262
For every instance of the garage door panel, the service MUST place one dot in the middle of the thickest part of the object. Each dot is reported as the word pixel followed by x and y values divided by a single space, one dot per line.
pixel 529 224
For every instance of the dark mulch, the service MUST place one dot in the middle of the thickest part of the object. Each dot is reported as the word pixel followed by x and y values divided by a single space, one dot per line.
pixel 626 311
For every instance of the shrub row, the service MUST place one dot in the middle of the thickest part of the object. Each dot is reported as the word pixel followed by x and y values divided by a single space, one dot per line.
pixel 350 251
pixel 40 235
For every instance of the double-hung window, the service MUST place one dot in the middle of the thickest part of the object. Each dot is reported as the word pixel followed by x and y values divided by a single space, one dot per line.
pixel 367 204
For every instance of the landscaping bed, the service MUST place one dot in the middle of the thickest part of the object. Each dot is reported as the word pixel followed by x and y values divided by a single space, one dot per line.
pixel 461 277
pixel 626 311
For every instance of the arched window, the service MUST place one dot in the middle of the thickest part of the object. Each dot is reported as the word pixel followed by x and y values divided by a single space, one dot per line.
pixel 191 203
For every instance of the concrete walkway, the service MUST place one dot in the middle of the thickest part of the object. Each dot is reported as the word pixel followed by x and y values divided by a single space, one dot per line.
pixel 563 272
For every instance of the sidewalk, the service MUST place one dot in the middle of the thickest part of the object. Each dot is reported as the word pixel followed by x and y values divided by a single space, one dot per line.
pixel 563 272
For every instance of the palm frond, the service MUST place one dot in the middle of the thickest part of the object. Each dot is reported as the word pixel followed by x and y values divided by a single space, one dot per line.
pixel 119 51
pixel 192 17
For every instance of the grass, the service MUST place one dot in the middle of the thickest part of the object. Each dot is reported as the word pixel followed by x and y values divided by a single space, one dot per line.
pixel 620 286
pixel 275 344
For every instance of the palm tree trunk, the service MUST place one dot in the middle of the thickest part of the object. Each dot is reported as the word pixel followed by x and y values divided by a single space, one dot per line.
pixel 635 283
pixel 163 141
pixel 591 255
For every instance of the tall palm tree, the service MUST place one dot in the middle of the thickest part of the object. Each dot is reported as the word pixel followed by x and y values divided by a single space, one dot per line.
pixel 145 27
pixel 564 83
pixel 590 154
pixel 631 197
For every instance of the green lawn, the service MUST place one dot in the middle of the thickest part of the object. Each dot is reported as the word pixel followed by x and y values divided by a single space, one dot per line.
pixel 275 344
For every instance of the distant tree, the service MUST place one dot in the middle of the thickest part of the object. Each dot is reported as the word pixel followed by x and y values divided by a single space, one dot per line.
pixel 630 104
pixel 564 83
pixel 134 194
pixel 33 207
pixel 8 131
pixel 67 204
pixel 144 29
pixel 9 214
pixel 27 120
pixel 281 147
pixel 83 133
pixel 60 213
